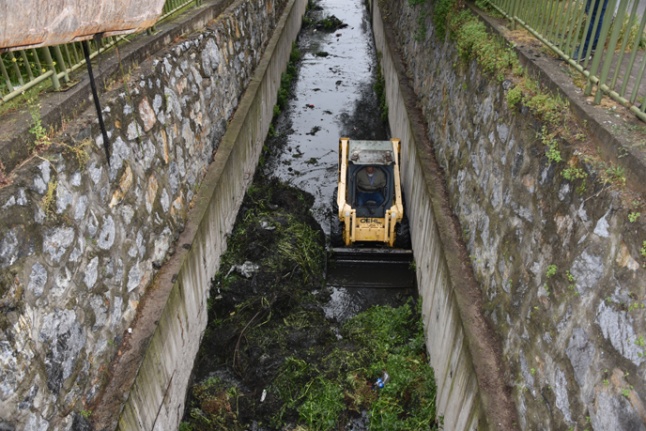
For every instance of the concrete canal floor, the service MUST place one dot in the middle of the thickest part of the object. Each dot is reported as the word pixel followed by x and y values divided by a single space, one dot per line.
pixel 286 214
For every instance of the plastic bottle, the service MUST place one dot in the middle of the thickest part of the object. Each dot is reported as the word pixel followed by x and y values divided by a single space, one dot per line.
pixel 381 381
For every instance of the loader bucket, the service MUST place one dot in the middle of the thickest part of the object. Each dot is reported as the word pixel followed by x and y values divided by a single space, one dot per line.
pixel 370 268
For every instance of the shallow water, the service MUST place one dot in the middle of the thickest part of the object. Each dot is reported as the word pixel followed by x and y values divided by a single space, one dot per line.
pixel 333 97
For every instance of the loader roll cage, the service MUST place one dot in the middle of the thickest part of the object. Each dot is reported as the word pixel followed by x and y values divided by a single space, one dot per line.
pixel 375 222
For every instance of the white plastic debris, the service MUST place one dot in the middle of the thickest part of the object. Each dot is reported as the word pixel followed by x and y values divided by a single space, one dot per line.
pixel 246 270
pixel 263 396
pixel 267 225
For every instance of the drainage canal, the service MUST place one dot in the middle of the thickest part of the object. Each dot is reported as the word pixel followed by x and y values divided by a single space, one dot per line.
pixel 285 346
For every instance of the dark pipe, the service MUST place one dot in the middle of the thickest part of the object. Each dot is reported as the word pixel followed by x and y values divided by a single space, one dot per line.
pixel 97 104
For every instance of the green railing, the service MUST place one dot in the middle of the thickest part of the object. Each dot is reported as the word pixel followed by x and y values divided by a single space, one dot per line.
pixel 21 71
pixel 614 65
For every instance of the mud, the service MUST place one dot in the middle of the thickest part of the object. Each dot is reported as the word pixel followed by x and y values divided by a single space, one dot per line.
pixel 270 307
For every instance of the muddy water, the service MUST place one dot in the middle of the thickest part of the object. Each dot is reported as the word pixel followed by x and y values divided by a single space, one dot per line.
pixel 333 97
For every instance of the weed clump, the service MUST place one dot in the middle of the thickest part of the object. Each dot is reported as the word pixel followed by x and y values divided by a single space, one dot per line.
pixel 330 24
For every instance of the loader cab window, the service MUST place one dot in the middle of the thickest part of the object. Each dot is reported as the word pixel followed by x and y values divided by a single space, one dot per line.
pixel 371 182
pixel 371 189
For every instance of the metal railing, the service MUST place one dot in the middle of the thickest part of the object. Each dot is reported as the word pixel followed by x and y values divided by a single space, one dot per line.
pixel 21 71
pixel 602 39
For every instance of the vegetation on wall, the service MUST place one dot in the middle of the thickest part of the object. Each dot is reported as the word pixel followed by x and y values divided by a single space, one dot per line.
pixel 380 90
pixel 286 80
pixel 441 10
pixel 558 129
pixel 497 58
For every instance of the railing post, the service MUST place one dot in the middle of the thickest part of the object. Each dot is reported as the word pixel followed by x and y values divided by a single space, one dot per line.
pixel 61 63
pixel 638 80
pixel 513 12
pixel 605 70
pixel 16 69
pixel 23 55
pixel 50 64
pixel 37 61
pixel 5 75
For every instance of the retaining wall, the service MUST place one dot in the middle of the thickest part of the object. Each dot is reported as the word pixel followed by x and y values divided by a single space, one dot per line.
pixel 89 252
pixel 470 393
pixel 559 261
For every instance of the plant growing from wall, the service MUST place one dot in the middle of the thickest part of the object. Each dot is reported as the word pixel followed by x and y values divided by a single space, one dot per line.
pixel 573 174
pixel 616 175
pixel 380 90
pixel 639 342
pixel 571 283
pixel 441 10
pixel 549 140
pixel 551 271
pixel 37 130
pixel 79 152
pixel 548 107
pixel 475 42
pixel 48 200
pixel 553 154
pixel 420 31
pixel 633 216
pixel 514 96
pixel 286 80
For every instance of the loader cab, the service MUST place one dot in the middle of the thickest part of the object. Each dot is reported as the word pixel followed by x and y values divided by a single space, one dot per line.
pixel 370 204
pixel 361 156
pixel 376 219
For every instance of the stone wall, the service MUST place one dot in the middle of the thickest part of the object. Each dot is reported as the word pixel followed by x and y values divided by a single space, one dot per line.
pixel 464 354
pixel 458 399
pixel 81 240
pixel 158 394
pixel 561 270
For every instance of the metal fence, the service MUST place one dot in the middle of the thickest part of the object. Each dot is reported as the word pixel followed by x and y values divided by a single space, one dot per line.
pixel 602 39
pixel 21 71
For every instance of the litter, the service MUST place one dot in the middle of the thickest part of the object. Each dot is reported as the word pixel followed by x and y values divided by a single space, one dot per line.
pixel 246 270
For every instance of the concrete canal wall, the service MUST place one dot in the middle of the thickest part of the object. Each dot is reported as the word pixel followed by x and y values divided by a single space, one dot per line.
pixel 553 263
pixel 104 274
pixel 471 394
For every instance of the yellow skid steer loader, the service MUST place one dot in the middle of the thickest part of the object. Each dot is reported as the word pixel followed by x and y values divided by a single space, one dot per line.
pixel 368 221
pixel 369 199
